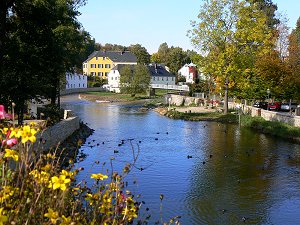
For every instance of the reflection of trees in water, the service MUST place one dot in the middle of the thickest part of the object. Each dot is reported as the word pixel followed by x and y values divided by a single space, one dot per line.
pixel 233 185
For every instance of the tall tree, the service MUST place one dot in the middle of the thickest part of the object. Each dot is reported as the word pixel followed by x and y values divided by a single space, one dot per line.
pixel 176 58
pixel 269 8
pixel 134 79
pixel 230 33
pixel 163 51
pixel 143 57
pixel 293 80
pixel 42 43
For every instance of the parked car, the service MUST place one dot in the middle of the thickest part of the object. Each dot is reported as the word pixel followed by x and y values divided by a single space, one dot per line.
pixel 262 105
pixel 274 106
pixel 286 106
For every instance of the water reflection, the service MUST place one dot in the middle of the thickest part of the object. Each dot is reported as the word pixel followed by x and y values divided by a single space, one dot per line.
pixel 233 176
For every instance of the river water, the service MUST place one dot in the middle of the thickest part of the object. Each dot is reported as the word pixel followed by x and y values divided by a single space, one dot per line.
pixel 209 173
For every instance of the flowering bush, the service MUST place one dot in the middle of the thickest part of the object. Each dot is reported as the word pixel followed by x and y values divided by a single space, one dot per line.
pixel 36 190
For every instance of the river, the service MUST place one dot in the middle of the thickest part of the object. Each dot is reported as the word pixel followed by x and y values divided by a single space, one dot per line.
pixel 209 173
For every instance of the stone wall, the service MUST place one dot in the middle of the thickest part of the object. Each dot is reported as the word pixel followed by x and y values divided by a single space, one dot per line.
pixel 272 115
pixel 181 100
pixel 51 136
pixel 281 117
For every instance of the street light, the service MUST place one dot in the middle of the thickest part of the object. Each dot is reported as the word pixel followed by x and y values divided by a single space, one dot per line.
pixel 169 99
pixel 268 92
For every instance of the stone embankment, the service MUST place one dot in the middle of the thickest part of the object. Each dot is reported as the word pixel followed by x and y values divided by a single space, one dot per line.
pixel 64 138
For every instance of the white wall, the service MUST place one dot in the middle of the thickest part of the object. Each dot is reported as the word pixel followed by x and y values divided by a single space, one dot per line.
pixel 114 81
pixel 75 81
pixel 162 80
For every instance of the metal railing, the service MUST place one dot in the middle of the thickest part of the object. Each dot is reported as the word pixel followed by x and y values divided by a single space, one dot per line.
pixel 170 87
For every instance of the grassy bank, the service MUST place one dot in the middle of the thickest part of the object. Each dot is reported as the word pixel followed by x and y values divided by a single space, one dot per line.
pixel 275 128
pixel 212 116
pixel 116 96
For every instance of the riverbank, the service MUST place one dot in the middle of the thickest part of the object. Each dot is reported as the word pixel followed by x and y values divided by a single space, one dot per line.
pixel 197 114
pixel 277 129
pixel 69 148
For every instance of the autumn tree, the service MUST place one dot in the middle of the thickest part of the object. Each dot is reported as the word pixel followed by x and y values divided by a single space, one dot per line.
pixel 293 81
pixel 231 33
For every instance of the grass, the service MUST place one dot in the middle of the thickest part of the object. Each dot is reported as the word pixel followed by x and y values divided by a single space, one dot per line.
pixel 213 116
pixel 275 128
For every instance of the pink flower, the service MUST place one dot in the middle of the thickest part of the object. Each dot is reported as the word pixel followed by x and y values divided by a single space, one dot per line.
pixel 10 142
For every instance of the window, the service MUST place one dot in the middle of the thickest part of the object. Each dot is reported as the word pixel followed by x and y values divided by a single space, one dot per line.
pixel 112 78
pixel 82 85
pixel 167 78
pixel 78 85
pixel 116 78
pixel 172 78
pixel 100 65
pixel 103 58
pixel 99 74
pixel 107 65
pixel 96 57
pixel 153 78
pixel 93 65
pixel 162 79
pixel 106 74
pixel 93 73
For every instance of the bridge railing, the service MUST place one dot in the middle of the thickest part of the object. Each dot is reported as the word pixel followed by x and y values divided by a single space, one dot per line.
pixel 171 87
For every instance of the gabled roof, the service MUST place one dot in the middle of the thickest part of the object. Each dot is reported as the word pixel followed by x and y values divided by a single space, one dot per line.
pixel 120 66
pixel 159 70
pixel 115 56
pixel 154 69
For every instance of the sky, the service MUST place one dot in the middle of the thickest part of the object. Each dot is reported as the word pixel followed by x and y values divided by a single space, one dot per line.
pixel 153 22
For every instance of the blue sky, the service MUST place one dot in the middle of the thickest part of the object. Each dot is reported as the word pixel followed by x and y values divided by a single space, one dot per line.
pixel 152 22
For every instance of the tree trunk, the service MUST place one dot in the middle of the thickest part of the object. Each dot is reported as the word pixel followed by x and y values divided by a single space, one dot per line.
pixel 226 96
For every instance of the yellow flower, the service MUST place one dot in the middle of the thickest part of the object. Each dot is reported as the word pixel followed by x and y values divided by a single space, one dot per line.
pixel 52 215
pixel 59 182
pixel 47 167
pixel 99 176
pixel 40 177
pixel 66 220
pixel 28 134
pixel 67 174
pixel 3 218
pixel 11 154
pixel 6 192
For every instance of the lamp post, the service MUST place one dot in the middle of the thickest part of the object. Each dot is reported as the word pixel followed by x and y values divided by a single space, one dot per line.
pixel 268 92
pixel 169 100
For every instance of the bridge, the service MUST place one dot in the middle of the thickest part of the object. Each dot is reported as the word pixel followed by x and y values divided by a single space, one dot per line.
pixel 170 87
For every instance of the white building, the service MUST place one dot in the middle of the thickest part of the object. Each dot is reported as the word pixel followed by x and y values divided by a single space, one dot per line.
pixel 190 72
pixel 159 75
pixel 74 80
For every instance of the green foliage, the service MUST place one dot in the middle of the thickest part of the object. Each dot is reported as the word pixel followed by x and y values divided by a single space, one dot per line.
pixel 134 80
pixel 96 81
pixel 271 127
pixel 269 8
pixel 173 57
pixel 52 113
pixel 36 190
pixel 42 43
pixel 143 57
pixel 213 116
pixel 232 34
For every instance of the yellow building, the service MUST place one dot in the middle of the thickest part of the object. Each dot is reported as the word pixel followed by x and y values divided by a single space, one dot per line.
pixel 100 63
